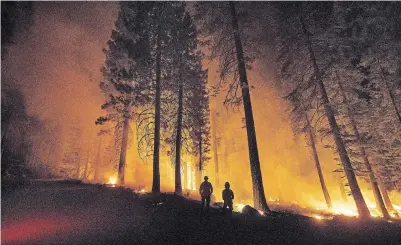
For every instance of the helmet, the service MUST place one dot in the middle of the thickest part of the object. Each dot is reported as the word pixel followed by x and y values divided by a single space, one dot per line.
pixel 227 184
pixel 206 178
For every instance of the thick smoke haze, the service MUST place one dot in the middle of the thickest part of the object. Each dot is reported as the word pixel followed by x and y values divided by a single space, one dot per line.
pixel 57 65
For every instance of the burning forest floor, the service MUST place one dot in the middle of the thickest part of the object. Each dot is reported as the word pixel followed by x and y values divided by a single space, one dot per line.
pixel 62 212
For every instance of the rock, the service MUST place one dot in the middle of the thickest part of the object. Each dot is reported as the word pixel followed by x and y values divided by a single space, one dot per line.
pixel 250 211
pixel 218 204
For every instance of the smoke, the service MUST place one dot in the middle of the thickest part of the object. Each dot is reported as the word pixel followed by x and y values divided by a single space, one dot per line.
pixel 289 173
pixel 57 65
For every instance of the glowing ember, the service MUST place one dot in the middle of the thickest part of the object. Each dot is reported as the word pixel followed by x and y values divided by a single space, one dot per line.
pixel 142 191
pixel 112 181
pixel 261 212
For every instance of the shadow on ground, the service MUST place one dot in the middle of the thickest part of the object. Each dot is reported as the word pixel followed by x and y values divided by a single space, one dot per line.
pixel 69 212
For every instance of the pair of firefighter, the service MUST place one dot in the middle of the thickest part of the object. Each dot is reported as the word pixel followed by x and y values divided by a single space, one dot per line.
pixel 206 190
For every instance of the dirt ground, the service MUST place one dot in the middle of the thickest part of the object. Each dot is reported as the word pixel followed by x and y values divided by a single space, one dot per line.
pixel 62 212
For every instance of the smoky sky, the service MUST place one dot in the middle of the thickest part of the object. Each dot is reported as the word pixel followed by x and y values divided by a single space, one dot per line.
pixel 57 64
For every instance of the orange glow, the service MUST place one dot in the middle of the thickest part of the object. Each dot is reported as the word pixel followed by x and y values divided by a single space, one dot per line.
pixel 66 92
pixel 238 207
pixel 397 207
pixel 344 209
pixel 112 181
pixel 318 217
pixel 33 228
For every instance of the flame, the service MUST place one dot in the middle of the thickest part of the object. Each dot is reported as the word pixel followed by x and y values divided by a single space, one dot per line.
pixel 349 209
pixel 238 207
pixel 318 217
pixel 344 209
pixel 142 190
pixel 397 208
pixel 112 181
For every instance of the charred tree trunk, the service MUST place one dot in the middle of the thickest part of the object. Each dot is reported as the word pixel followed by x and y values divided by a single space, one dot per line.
pixel 391 95
pixel 258 190
pixel 178 185
pixel 349 172
pixel 317 163
pixel 215 153
pixel 98 160
pixel 124 147
pixel 156 149
pixel 372 178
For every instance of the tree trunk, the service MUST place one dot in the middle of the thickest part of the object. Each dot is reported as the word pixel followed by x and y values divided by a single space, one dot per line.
pixel 224 166
pixel 124 147
pixel 156 149
pixel 259 198
pixel 349 172
pixel 178 185
pixel 372 178
pixel 98 160
pixel 185 172
pixel 386 198
pixel 317 163
pixel 85 176
pixel 197 172
pixel 342 190
pixel 49 152
pixel 78 173
pixel 4 135
pixel 224 146
pixel 215 154
pixel 200 165
pixel 390 93
pixel 30 156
